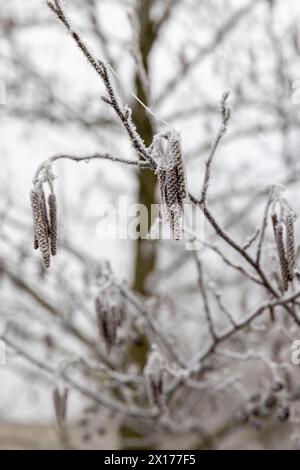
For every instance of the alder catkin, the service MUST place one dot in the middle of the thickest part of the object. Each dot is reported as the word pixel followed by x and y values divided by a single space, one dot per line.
pixel 171 188
pixel 43 242
pixel 155 390
pixel 39 226
pixel 34 199
pixel 107 321
pixel 176 157
pixel 282 256
pixel 155 380
pixel 60 404
pixel 44 212
pixel 290 244
pixel 53 223
pixel 171 179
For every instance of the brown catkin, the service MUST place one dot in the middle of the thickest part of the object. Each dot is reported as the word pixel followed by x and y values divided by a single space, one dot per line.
pixel 60 404
pixel 176 157
pixel 56 403
pixel 161 173
pixel 282 256
pixel 44 213
pixel 53 223
pixel 181 190
pixel 155 381
pixel 171 193
pixel 171 179
pixel 290 244
pixel 43 241
pixel 173 203
pixel 39 226
pixel 34 198
pixel 156 390
pixel 107 322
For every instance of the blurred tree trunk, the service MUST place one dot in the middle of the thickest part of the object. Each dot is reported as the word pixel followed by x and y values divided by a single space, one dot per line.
pixel 145 250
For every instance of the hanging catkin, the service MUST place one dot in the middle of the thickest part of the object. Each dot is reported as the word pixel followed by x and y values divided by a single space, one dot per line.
pixel 282 257
pixel 283 220
pixel 290 244
pixel 176 157
pixel 278 232
pixel 44 222
pixel 107 320
pixel 171 179
pixel 60 404
pixel 34 199
pixel 40 227
pixel 155 380
pixel 44 212
pixel 53 223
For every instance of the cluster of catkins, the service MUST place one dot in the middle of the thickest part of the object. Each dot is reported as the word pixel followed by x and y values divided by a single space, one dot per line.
pixel 166 150
pixel 44 214
pixel 109 314
pixel 283 220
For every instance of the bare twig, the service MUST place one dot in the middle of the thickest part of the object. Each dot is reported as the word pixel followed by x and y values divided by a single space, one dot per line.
pixel 225 113
pixel 203 291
